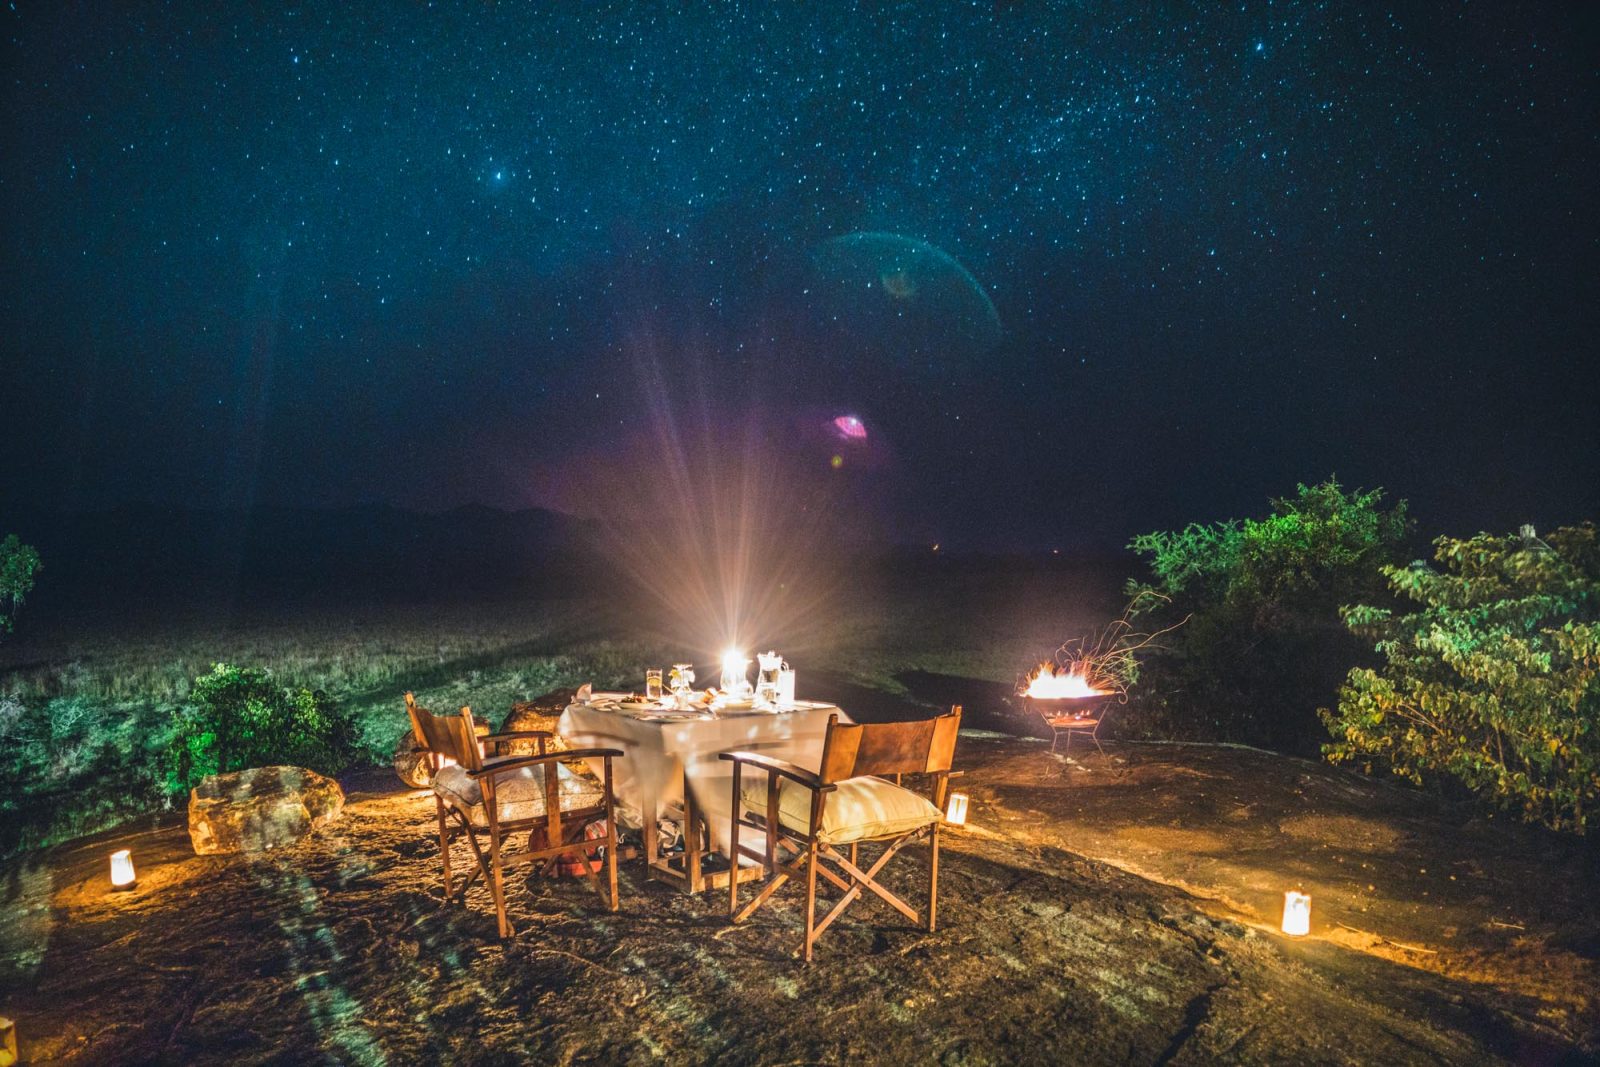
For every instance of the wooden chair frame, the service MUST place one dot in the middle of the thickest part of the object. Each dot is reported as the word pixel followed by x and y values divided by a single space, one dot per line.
pixel 851 750
pixel 454 737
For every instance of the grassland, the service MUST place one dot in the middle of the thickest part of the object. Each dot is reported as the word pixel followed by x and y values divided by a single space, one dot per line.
pixel 88 697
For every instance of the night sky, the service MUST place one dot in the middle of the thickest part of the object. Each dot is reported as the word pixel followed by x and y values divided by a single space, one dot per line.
pixel 1015 274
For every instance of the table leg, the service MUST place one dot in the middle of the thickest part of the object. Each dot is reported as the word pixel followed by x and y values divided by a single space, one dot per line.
pixel 649 818
pixel 691 837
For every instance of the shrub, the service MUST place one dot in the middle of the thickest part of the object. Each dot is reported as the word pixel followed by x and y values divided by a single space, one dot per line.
pixel 73 765
pixel 1492 682
pixel 241 718
pixel 1264 646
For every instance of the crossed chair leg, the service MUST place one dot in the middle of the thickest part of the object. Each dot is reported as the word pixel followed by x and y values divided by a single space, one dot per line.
pixel 492 869
pixel 808 862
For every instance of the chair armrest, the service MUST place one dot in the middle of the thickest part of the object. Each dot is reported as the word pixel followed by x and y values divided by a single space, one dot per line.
pixel 774 765
pixel 513 735
pixel 516 763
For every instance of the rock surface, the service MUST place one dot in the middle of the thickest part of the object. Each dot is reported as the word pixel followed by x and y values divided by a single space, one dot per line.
pixel 540 713
pixel 411 761
pixel 259 808
pixel 337 948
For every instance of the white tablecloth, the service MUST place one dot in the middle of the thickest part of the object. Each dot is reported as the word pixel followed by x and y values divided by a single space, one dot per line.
pixel 651 774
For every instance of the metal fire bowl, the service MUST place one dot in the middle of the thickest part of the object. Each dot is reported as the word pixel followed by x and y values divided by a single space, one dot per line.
pixel 1077 707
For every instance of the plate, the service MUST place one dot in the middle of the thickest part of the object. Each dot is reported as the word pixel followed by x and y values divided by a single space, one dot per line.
pixel 735 705
pixel 638 705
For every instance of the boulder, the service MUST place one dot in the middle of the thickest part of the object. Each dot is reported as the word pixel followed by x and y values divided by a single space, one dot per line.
pixel 411 761
pixel 540 713
pixel 255 809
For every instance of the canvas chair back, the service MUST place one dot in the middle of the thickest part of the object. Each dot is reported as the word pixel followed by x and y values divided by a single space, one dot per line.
pixel 412 708
pixel 450 736
pixel 889 748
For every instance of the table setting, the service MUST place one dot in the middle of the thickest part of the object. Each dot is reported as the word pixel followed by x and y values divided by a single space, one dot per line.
pixel 672 734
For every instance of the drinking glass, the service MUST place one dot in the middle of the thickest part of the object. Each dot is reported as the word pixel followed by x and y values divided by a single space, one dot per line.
pixel 767 677
pixel 682 682
pixel 652 683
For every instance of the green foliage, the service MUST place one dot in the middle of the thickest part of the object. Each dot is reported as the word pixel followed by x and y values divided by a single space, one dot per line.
pixel 73 765
pixel 1263 647
pixel 1491 682
pixel 241 718
pixel 93 739
pixel 18 564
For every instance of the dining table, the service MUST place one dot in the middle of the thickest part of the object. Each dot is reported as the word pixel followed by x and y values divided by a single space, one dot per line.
pixel 670 764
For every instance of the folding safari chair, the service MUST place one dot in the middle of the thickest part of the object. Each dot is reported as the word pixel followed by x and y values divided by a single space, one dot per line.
pixel 849 802
pixel 496 797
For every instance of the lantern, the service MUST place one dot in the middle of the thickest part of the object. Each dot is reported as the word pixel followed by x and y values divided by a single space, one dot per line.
pixel 955 812
pixel 122 876
pixel 1296 913
pixel 734 666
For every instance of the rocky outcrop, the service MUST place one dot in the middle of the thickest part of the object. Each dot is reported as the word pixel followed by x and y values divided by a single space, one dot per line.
pixel 540 713
pixel 258 808
pixel 411 761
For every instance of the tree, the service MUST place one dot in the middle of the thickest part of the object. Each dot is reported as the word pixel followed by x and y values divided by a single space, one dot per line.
pixel 18 564
pixel 1491 683
pixel 1264 646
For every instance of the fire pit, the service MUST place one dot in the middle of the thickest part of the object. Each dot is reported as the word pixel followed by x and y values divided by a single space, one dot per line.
pixel 1068 703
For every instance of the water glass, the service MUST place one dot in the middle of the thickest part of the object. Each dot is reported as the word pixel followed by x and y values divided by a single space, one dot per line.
pixel 652 683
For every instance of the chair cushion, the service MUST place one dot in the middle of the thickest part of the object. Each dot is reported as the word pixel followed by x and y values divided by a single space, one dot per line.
pixel 519 795
pixel 858 809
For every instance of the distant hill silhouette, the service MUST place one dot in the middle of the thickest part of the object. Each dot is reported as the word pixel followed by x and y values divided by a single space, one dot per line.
pixel 165 556
pixel 367 548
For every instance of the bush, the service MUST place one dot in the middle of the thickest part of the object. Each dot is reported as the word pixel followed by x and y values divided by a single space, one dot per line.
pixel 1493 682
pixel 241 718
pixel 73 766
pixel 1264 646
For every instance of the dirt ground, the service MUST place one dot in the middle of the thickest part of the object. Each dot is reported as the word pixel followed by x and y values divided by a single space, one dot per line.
pixel 1097 911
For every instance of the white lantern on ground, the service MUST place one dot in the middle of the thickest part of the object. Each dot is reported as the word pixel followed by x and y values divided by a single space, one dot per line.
pixel 122 876
pixel 1296 913
pixel 955 813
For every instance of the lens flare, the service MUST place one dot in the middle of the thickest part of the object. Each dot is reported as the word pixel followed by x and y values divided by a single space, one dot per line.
pixel 721 529
pixel 850 428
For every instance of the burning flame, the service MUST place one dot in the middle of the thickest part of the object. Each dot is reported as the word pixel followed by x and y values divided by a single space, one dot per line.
pixel 1048 684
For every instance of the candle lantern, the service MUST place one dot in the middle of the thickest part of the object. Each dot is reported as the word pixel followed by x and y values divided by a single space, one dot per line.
pixel 734 666
pixel 122 876
pixel 1296 913
pixel 955 813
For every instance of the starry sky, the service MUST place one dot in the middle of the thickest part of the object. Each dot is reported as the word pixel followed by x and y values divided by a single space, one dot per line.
pixel 1074 270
